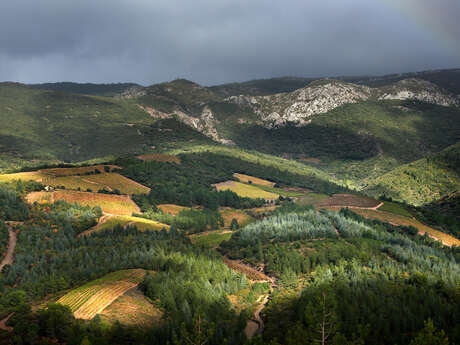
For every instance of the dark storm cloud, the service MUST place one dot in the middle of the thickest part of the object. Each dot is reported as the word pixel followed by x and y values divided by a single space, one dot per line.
pixel 214 41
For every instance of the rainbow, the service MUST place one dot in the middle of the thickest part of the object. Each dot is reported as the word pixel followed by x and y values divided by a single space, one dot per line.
pixel 432 15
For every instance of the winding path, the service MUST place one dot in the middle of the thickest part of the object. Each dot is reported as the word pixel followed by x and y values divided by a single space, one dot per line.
pixel 256 325
pixel 3 322
pixel 9 256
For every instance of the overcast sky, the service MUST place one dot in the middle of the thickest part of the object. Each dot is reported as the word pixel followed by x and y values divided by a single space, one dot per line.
pixel 217 41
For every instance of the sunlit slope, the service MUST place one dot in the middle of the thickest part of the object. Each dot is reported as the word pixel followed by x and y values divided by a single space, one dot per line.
pixel 422 181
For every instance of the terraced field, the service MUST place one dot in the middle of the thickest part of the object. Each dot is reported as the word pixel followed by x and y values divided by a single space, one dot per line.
pixel 93 297
pixel 133 310
pixel 158 157
pixel 246 190
pixel 172 209
pixel 114 181
pixel 109 203
pixel 254 180
pixel 79 170
pixel 78 179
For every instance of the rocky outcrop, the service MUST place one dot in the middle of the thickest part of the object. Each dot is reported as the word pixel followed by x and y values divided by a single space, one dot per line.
pixel 205 124
pixel 297 107
pixel 323 96
pixel 420 90
pixel 132 92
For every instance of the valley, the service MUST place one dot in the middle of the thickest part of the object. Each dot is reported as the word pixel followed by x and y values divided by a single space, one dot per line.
pixel 244 213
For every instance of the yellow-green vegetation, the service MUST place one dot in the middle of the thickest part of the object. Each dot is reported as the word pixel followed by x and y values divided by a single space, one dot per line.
pixel 402 220
pixel 24 176
pixel 395 208
pixel 211 238
pixel 423 181
pixel 172 209
pixel 246 190
pixel 261 159
pixel 142 224
pixel 283 191
pixel 159 157
pixel 132 309
pixel 76 178
pixel 116 181
pixel 255 180
pixel 82 170
pixel 109 203
pixel 228 214
pixel 93 297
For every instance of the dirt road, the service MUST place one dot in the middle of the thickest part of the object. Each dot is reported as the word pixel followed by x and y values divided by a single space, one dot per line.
pixel 256 326
pixel 9 256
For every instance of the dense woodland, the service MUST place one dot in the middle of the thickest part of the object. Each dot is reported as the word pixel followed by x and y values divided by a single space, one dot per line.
pixel 322 264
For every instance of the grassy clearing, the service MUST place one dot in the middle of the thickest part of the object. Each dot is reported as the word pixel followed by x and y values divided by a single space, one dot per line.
pixel 142 224
pixel 109 203
pixel 24 176
pixel 93 297
pixel 229 213
pixel 401 220
pixel 254 180
pixel 132 309
pixel 392 207
pixel 245 190
pixel 211 239
pixel 158 157
pixel 348 200
pixel 172 209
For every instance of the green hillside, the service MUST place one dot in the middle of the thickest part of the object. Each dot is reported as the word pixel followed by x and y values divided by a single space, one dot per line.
pixel 360 140
pixel 41 125
pixel 423 181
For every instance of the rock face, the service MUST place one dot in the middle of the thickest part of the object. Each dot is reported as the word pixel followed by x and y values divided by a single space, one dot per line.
pixel 204 124
pixel 420 90
pixel 191 103
pixel 321 97
pixel 297 107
